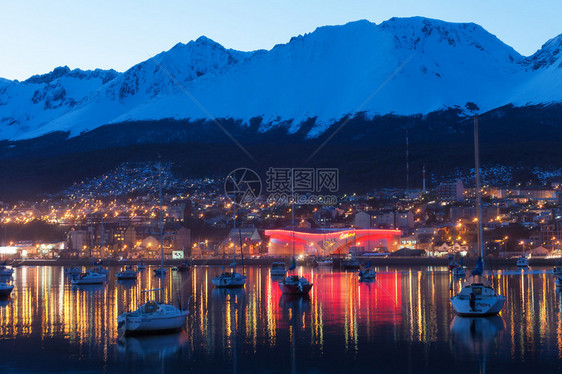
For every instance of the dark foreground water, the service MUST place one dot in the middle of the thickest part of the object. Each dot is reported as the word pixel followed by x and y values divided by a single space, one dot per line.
pixel 401 323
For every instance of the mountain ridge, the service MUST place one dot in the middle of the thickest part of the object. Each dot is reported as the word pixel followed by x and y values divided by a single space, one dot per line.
pixel 403 66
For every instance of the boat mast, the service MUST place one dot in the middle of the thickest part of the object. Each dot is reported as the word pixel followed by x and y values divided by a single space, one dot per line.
pixel 479 235
pixel 293 212
pixel 161 231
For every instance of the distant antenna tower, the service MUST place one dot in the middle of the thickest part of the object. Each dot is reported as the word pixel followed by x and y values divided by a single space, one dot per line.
pixel 423 170
pixel 407 164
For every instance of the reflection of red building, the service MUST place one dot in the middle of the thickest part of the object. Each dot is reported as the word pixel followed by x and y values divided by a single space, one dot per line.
pixel 331 241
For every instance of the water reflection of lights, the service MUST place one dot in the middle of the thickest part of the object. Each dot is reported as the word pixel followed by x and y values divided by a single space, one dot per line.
pixel 400 306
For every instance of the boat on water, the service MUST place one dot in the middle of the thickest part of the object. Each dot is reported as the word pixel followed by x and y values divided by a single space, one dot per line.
pixel 477 298
pixel 152 317
pixel 367 275
pixel 558 281
pixel 295 285
pixel 90 277
pixel 522 262
pixel 141 266
pixel 459 271
pixel 160 271
pixel 127 273
pixel 5 290
pixel 184 266
pixel 351 264
pixel 278 269
pixel 325 262
pixel 557 270
pixel 229 280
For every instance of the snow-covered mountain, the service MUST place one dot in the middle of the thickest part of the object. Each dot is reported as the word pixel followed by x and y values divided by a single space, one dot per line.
pixel 403 66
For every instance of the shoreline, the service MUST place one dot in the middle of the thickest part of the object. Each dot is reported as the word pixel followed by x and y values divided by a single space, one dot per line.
pixel 376 261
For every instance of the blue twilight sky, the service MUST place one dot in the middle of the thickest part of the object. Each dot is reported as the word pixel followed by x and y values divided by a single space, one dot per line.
pixel 38 35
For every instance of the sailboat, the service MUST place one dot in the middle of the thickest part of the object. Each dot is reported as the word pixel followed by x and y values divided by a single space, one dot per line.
pixel 152 316
pixel 293 284
pixel 477 297
pixel 127 273
pixel 232 279
pixel 367 274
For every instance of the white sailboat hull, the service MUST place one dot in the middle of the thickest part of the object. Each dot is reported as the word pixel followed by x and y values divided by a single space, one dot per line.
pixel 151 324
pixel 489 306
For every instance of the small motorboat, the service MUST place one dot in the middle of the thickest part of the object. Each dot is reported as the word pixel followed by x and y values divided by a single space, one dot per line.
pixel 160 271
pixel 183 267
pixel 295 285
pixel 522 262
pixel 141 266
pixel 278 269
pixel 477 298
pixel 367 275
pixel 127 273
pixel 90 277
pixel 152 317
pixel 351 264
pixel 459 271
pixel 558 269
pixel 558 281
pixel 229 280
pixel 5 290
pixel 325 262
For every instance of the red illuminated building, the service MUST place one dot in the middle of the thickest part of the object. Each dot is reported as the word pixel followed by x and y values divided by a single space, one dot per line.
pixel 331 241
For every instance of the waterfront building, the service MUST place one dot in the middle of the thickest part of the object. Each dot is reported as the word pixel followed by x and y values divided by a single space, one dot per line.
pixel 323 242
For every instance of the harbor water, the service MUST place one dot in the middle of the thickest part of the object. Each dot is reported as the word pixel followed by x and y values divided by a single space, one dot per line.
pixel 400 323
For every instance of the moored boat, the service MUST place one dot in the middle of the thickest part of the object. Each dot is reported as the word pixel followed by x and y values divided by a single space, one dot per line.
pixel 459 271
pixel 295 285
pixel 127 273
pixel 90 277
pixel 152 317
pixel 325 262
pixel 367 275
pixel 229 280
pixel 351 264
pixel 477 298
pixel 522 262
pixel 278 269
